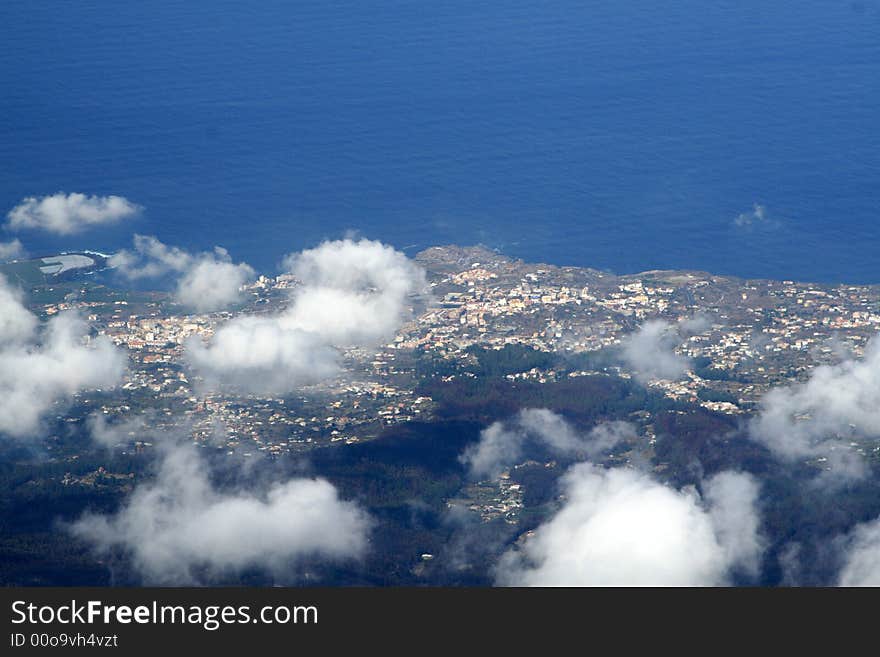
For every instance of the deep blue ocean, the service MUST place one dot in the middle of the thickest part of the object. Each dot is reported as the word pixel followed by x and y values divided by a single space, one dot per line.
pixel 621 135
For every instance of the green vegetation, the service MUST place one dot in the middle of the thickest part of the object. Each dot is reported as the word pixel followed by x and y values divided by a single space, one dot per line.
pixel 510 359
pixel 25 273
pixel 585 399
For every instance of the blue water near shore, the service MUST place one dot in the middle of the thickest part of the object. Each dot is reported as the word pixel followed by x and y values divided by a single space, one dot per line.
pixel 621 135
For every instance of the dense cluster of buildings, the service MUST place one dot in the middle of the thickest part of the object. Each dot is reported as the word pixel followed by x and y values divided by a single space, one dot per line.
pixel 739 336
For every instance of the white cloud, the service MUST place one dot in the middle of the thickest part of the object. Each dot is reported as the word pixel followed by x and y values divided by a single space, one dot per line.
pixel 65 214
pixel 150 258
pixel 732 499
pixel 121 432
pixel 620 527
pixel 11 250
pixel 695 325
pixel 179 526
pixel 758 218
pixel 650 353
pixel 206 282
pixel 352 293
pixel 503 444
pixel 861 565
pixel 758 215
pixel 213 282
pixel 498 448
pixel 260 355
pixel 40 366
pixel 818 418
pixel 17 323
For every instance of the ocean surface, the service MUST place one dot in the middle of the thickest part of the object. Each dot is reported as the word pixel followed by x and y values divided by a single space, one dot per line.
pixel 621 135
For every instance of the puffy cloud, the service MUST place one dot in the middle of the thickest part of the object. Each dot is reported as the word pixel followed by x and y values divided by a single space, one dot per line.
pixel 620 527
pixel 179 526
pixel 861 565
pixel 757 218
pixel 352 293
pixel 694 325
pixel 757 215
pixel 11 250
pixel 352 264
pixel 40 366
pixel 502 445
pixel 17 323
pixel 150 258
pixel 790 565
pixel 121 432
pixel 649 352
pixel 213 282
pixel 732 498
pixel 261 355
pixel 65 214
pixel 207 281
pixel 818 418
pixel 498 448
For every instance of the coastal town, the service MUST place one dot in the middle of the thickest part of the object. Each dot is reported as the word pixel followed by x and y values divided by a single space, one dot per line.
pixel 484 319
pixel 739 338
